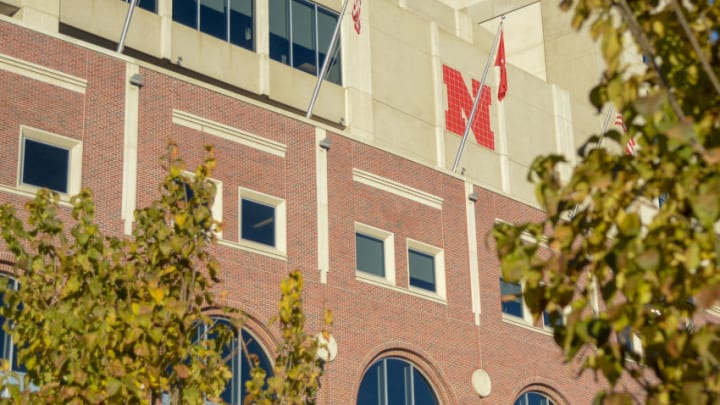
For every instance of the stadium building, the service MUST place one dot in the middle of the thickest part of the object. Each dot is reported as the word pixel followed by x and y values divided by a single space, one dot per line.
pixel 369 197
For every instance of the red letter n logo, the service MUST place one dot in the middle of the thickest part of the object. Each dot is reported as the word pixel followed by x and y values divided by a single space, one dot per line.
pixel 459 106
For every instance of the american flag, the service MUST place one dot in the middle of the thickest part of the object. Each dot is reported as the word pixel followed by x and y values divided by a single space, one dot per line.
pixel 356 15
pixel 631 144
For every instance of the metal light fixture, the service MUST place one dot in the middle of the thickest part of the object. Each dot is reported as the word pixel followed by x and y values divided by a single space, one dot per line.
pixel 136 80
pixel 473 196
pixel 325 143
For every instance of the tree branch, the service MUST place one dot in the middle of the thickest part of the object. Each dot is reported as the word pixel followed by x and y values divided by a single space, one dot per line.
pixel 648 51
pixel 693 41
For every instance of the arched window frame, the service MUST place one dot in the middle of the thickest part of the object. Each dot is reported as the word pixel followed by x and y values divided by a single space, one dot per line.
pixel 239 364
pixel 410 381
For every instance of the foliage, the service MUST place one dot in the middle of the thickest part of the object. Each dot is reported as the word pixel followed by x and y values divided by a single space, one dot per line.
pixel 102 319
pixel 605 256
pixel 297 371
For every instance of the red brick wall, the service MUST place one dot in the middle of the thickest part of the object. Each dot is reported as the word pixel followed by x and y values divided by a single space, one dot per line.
pixel 372 321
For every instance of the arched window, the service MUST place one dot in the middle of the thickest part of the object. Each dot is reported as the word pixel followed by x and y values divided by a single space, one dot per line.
pixel 533 398
pixel 392 381
pixel 239 363
pixel 9 349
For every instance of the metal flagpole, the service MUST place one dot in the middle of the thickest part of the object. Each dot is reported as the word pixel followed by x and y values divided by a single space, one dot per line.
pixel 597 145
pixel 326 62
pixel 477 98
pixel 605 125
pixel 121 43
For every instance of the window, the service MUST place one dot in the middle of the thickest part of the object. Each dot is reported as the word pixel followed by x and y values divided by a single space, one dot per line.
pixel 370 254
pixel 262 219
pixel 374 253
pixel 238 362
pixel 149 5
pixel 229 20
pixel 300 34
pixel 426 267
pixel 49 161
pixel 552 320
pixel 216 208
pixel 533 398
pixel 511 298
pixel 9 349
pixel 393 381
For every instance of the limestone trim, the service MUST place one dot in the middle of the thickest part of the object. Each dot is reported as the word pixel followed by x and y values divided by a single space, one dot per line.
pixel 399 189
pixel 227 132
pixel 42 74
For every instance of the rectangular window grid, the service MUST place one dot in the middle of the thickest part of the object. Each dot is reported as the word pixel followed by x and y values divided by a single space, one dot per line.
pixel 229 20
pixel 258 222
pixel 511 298
pixel 300 33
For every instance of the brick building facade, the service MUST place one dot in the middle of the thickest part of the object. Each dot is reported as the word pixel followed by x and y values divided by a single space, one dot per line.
pixel 350 172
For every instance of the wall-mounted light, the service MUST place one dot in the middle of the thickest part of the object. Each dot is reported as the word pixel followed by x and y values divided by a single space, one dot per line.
pixel 325 143
pixel 136 80
pixel 473 196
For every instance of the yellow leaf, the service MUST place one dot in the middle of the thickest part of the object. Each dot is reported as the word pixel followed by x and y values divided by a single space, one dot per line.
pixel 180 218
pixel 157 293
pixel 135 308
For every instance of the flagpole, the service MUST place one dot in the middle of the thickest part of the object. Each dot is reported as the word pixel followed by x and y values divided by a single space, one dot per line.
pixel 597 145
pixel 121 43
pixel 477 98
pixel 605 125
pixel 328 58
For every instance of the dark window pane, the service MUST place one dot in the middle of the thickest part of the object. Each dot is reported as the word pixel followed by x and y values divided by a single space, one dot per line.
pixel 45 166
pixel 213 18
pixel 253 347
pixel 370 253
pixel 185 12
pixel 424 394
pixel 398 381
pixel 149 5
pixel 326 25
pixel 279 31
pixel 241 23
pixel 303 37
pixel 371 388
pixel 422 270
pixel 258 222
pixel 511 298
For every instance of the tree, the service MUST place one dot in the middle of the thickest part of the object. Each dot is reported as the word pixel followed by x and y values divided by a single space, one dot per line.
pixel 297 371
pixel 103 319
pixel 607 258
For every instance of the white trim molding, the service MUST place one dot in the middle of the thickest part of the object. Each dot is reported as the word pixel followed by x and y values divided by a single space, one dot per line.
pixel 384 184
pixel 42 74
pixel 227 132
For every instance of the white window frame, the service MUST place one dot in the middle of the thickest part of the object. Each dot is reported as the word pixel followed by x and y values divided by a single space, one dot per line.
pixel 388 240
pixel 280 221
pixel 439 264
pixel 217 205
pixel 74 148
pixel 526 315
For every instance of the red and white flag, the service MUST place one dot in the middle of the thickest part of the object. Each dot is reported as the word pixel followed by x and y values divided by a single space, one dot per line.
pixel 631 144
pixel 500 61
pixel 356 15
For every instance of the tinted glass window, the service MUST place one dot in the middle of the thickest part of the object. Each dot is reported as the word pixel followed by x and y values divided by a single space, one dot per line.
pixel 45 165
pixel 326 22
pixel 300 33
pixel 422 270
pixel 149 5
pixel 213 18
pixel 258 222
pixel 241 23
pixel 370 253
pixel 533 398
pixel 185 12
pixel 279 31
pixel 394 381
pixel 239 364
pixel 511 296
